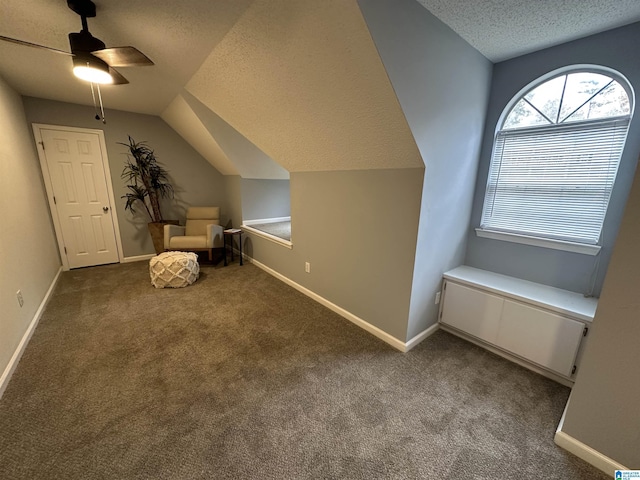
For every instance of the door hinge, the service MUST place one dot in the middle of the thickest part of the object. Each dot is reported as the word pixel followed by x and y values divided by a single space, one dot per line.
pixel 585 331
pixel 54 200
pixel 42 144
pixel 573 370
pixel 65 250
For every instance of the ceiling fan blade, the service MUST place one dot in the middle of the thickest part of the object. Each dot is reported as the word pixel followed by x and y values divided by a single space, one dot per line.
pixel 35 45
pixel 118 79
pixel 123 57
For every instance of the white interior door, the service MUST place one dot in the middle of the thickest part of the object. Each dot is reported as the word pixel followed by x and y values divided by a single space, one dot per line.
pixel 76 171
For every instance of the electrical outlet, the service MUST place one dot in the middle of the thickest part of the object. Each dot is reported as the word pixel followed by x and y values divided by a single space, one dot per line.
pixel 307 267
pixel 437 298
pixel 20 299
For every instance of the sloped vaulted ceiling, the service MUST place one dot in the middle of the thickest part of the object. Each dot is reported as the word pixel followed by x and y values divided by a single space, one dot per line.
pixel 303 81
pixel 250 161
pixel 223 147
pixel 183 120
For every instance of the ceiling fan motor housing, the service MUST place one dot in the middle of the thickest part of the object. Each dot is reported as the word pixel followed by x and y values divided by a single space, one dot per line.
pixel 92 61
pixel 87 66
pixel 84 8
pixel 84 42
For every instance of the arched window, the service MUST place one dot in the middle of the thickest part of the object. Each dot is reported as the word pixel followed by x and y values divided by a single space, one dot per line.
pixel 555 157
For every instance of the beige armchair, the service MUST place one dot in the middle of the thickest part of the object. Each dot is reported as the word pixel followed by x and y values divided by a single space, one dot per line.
pixel 202 231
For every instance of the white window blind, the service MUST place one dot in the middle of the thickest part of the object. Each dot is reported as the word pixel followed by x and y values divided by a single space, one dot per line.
pixel 554 181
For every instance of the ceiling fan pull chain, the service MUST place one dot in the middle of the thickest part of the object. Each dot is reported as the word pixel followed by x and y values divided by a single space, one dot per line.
pixel 101 107
pixel 95 105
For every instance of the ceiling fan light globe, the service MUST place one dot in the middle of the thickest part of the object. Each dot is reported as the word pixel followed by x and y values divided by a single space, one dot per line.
pixel 92 74
pixel 91 69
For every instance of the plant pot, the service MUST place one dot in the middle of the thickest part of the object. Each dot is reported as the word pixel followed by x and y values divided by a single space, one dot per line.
pixel 156 229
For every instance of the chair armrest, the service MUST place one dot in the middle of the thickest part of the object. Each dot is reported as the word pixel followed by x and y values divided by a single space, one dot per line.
pixel 172 231
pixel 215 236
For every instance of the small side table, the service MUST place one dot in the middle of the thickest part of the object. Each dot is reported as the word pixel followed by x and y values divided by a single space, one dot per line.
pixel 229 233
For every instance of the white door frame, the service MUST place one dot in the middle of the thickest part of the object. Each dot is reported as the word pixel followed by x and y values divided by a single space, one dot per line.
pixel 49 187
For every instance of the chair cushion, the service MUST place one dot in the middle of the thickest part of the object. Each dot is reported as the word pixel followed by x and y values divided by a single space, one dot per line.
pixel 198 227
pixel 199 217
pixel 174 269
pixel 202 213
pixel 189 241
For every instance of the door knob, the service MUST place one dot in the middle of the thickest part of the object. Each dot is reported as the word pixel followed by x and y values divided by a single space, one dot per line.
pixel 105 209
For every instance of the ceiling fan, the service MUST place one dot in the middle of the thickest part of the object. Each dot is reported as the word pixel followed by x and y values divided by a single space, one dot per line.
pixel 92 61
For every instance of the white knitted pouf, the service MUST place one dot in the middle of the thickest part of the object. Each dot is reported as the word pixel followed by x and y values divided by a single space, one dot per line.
pixel 174 269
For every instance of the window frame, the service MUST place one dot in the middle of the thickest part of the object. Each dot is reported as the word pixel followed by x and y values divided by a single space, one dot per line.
pixel 539 241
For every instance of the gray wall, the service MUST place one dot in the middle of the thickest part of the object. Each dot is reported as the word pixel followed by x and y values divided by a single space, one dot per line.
pixel 604 409
pixel 29 257
pixel 195 180
pixel 358 230
pixel 442 84
pixel 566 270
pixel 265 199
pixel 233 186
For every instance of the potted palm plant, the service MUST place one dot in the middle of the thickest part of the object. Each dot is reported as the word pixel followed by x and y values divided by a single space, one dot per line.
pixel 148 183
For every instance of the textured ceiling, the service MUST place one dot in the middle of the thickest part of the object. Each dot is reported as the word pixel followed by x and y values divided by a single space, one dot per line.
pixel 177 36
pixel 300 79
pixel 250 161
pixel 222 146
pixel 303 81
pixel 503 29
pixel 183 120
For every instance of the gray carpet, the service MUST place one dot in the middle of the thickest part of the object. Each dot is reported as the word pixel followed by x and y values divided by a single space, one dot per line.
pixel 278 229
pixel 240 376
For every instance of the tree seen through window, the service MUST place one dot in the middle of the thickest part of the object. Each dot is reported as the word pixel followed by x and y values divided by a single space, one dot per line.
pixel 570 98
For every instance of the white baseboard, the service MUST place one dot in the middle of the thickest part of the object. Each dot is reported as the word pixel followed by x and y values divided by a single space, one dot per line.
pixel 421 336
pixel 583 451
pixel 13 363
pixel 381 334
pixel 138 258
pixel 588 454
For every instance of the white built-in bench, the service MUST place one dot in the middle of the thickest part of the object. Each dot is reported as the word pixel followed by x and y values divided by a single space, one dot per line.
pixel 541 327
